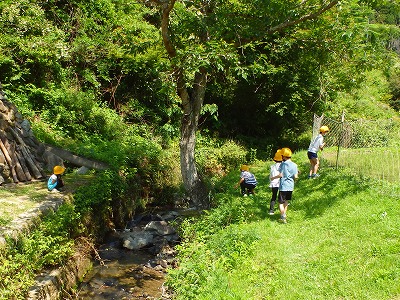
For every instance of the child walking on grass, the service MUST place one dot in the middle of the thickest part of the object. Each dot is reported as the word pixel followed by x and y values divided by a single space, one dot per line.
pixel 288 172
pixel 274 183
pixel 247 182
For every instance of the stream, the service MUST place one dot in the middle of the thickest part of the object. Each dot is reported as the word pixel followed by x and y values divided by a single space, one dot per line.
pixel 121 273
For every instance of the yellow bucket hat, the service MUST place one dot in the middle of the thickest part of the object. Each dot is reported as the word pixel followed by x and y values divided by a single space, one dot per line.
pixel 58 170
pixel 244 168
pixel 278 155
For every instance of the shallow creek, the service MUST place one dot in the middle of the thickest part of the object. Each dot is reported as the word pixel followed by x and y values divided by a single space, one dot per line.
pixel 121 274
pixel 127 274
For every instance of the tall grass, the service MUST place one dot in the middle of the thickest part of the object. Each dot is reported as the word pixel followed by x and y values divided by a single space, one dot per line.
pixel 341 242
pixel 379 163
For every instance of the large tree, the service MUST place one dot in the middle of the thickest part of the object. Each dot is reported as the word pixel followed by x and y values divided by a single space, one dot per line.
pixel 204 37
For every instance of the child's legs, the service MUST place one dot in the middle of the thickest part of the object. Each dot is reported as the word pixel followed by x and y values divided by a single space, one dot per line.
pixel 283 208
pixel 273 198
pixel 313 157
pixel 251 188
pixel 284 197
pixel 281 200
pixel 314 162
pixel 316 165
pixel 243 188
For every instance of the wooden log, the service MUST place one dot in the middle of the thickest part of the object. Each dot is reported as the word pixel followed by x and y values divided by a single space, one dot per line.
pixel 27 155
pixel 23 165
pixel 31 165
pixel 77 160
pixel 18 169
pixel 9 160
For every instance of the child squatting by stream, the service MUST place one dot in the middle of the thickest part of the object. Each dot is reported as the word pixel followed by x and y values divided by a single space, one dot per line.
pixel 247 182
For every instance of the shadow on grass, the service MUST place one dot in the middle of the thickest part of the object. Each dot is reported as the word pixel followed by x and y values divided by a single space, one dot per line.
pixel 315 196
pixel 256 207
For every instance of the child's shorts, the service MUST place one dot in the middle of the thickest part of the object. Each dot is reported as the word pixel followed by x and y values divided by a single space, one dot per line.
pixel 284 196
pixel 312 155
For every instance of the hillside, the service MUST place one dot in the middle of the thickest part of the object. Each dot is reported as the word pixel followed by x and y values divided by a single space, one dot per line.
pixel 340 242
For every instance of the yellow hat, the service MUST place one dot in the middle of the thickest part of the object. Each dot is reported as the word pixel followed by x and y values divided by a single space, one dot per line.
pixel 278 155
pixel 58 170
pixel 244 168
pixel 286 152
pixel 324 129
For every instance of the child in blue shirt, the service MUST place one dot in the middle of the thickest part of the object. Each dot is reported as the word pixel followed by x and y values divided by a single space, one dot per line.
pixel 288 172
pixel 55 181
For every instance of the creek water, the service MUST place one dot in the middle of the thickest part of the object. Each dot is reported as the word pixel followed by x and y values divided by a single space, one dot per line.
pixel 126 274
pixel 121 274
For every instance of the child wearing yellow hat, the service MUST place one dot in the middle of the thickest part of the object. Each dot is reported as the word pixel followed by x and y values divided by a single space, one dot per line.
pixel 316 145
pixel 55 181
pixel 247 181
pixel 288 173
pixel 274 181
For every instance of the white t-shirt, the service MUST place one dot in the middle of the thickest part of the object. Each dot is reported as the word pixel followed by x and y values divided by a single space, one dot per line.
pixel 273 172
pixel 315 145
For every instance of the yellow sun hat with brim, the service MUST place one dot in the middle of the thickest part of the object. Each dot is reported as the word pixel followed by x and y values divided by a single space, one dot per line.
pixel 286 152
pixel 244 168
pixel 278 155
pixel 58 170
pixel 324 129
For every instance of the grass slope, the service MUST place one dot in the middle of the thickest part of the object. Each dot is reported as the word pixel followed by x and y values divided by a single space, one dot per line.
pixel 341 242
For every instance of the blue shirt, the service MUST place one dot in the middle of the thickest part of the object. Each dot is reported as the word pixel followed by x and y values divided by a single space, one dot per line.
pixel 50 184
pixel 289 171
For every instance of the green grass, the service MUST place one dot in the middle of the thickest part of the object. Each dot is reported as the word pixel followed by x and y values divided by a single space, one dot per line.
pixel 18 198
pixel 379 163
pixel 341 242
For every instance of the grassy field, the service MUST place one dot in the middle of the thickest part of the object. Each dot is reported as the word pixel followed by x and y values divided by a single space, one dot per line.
pixel 18 198
pixel 378 163
pixel 341 242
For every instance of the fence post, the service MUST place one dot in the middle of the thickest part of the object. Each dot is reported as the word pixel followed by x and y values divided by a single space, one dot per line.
pixel 340 140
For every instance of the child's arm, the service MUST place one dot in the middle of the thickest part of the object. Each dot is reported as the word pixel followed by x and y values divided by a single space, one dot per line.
pixel 280 175
pixel 240 181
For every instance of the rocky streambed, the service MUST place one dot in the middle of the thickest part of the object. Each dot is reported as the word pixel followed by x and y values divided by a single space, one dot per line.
pixel 132 263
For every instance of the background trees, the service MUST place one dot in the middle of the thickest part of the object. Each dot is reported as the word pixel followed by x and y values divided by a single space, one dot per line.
pixel 93 74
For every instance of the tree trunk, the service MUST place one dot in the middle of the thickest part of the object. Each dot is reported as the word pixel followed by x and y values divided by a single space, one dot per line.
pixel 193 183
pixel 191 106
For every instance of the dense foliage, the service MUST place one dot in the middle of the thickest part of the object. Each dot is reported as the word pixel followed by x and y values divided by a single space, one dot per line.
pixel 66 63
pixel 93 77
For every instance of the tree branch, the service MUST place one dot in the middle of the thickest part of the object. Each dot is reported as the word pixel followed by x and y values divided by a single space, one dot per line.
pixel 166 9
pixel 284 25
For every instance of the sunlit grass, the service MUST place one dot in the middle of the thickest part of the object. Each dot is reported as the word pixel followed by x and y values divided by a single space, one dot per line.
pixel 16 199
pixel 341 242
pixel 378 163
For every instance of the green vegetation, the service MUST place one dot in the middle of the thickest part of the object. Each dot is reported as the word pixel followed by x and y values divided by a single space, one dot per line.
pixel 93 77
pixel 49 245
pixel 340 242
